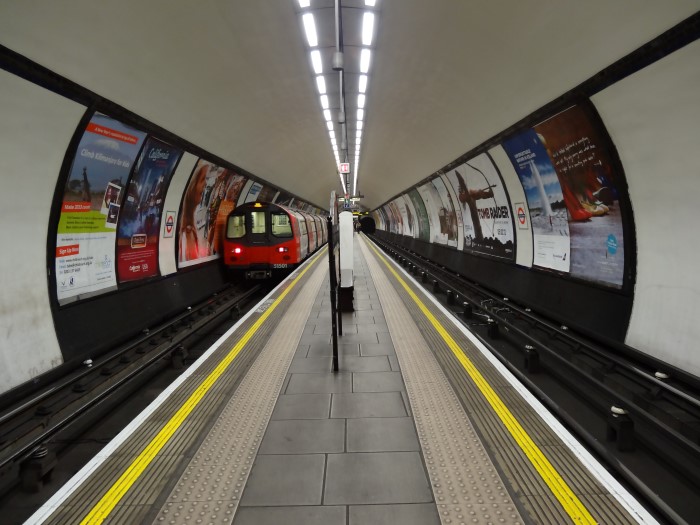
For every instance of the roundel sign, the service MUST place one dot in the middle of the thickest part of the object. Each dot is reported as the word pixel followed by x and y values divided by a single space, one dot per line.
pixel 169 224
pixel 520 214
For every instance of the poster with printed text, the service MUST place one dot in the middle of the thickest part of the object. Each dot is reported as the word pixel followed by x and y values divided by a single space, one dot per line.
pixel 433 205
pixel 449 225
pixel 422 215
pixel 484 206
pixel 588 180
pixel 92 197
pixel 139 221
pixel 548 214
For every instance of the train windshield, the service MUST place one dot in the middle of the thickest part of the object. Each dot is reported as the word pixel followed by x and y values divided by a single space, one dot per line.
pixel 281 226
pixel 236 227
pixel 257 222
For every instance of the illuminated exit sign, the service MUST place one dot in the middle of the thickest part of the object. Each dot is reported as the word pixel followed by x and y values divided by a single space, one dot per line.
pixel 344 167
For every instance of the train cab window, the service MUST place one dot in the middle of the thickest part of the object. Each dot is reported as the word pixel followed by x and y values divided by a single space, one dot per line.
pixel 257 222
pixel 281 226
pixel 236 227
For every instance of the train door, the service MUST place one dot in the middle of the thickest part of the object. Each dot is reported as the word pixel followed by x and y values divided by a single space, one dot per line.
pixel 319 230
pixel 303 236
pixel 324 229
pixel 257 226
pixel 311 226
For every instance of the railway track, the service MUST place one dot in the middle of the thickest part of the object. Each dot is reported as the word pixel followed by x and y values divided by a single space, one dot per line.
pixel 30 428
pixel 639 415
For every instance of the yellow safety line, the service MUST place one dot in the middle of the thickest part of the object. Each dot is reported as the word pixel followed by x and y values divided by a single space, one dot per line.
pixel 571 503
pixel 117 491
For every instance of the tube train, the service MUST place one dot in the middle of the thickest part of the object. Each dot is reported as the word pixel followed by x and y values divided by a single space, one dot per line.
pixel 261 237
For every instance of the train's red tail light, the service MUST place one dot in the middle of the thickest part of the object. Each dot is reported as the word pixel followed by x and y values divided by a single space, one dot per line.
pixel 282 249
pixel 237 250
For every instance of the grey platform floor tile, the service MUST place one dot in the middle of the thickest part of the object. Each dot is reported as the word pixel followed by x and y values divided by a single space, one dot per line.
pixel 372 328
pixel 317 515
pixel 302 406
pixel 309 339
pixel 327 328
pixel 326 350
pixel 384 337
pixel 394 363
pixel 305 436
pixel 360 337
pixel 377 434
pixel 377 381
pixel 381 404
pixel 285 480
pixel 320 383
pixel 377 349
pixel 381 477
pixel 415 514
pixel 310 365
pixel 378 363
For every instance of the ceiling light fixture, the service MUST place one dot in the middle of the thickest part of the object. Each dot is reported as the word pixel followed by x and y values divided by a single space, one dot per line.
pixel 367 28
pixel 360 114
pixel 316 61
pixel 364 60
pixel 324 101
pixel 363 83
pixel 304 3
pixel 360 101
pixel 310 29
pixel 321 84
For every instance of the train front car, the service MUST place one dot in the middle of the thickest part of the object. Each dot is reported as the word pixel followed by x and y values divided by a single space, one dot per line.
pixel 261 238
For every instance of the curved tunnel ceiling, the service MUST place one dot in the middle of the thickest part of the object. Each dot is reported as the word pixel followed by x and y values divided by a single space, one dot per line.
pixel 234 78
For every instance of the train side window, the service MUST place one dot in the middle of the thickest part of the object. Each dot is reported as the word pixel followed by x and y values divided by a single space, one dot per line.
pixel 281 227
pixel 257 222
pixel 236 227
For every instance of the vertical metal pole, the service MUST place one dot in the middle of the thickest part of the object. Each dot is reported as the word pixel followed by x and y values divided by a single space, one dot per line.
pixel 334 287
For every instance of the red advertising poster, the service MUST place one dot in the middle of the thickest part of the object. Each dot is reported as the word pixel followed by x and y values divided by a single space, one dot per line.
pixel 210 196
pixel 588 178
pixel 139 221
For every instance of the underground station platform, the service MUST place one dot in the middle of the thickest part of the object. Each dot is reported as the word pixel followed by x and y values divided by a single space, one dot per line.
pixel 419 425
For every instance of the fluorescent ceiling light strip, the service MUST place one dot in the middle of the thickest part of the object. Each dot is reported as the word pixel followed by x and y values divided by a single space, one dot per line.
pixel 367 28
pixel 310 29
pixel 370 3
pixel 331 134
pixel 359 125
pixel 363 83
pixel 365 56
pixel 316 61
pixel 329 125
pixel 360 114
pixel 304 3
pixel 360 101
pixel 324 101
pixel 321 84
pixel 327 114
pixel 334 142
pixel 359 135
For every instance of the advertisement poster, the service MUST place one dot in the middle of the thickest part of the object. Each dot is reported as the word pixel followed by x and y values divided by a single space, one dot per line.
pixel 483 202
pixel 267 194
pixel 457 209
pixel 587 177
pixel 139 220
pixel 209 197
pixel 94 190
pixel 397 225
pixel 285 199
pixel 422 214
pixel 253 192
pixel 548 214
pixel 433 204
pixel 446 213
pixel 407 217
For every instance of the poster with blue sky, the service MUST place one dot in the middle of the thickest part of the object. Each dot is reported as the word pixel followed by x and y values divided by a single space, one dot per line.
pixel 548 213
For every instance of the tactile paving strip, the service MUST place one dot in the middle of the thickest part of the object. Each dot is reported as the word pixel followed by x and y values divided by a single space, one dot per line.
pixel 210 489
pixel 466 484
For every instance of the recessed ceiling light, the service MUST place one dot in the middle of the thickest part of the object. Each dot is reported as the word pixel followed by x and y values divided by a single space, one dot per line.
pixel 310 28
pixel 304 3
pixel 370 3
pixel 327 114
pixel 324 101
pixel 363 83
pixel 358 134
pixel 360 101
pixel 331 134
pixel 360 114
pixel 367 29
pixel 359 125
pixel 329 125
pixel 364 60
pixel 321 84
pixel 316 61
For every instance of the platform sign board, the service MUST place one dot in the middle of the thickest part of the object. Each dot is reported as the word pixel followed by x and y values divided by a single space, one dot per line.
pixel 92 200
pixel 344 167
